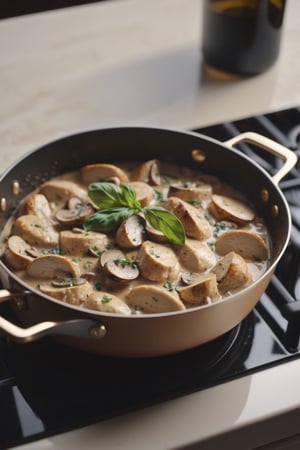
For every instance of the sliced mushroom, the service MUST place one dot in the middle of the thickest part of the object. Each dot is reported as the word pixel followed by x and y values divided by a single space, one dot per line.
pixel 53 266
pixel 130 232
pixel 75 243
pixel 232 272
pixel 60 191
pixel 106 302
pixel 148 172
pixel 246 243
pixel 16 253
pixel 74 294
pixel 158 262
pixel 36 230
pixel 122 270
pixel 192 219
pixel 233 209
pixel 102 172
pixel 75 216
pixel 196 256
pixel 191 192
pixel 144 193
pixel 203 291
pixel 38 205
pixel 110 255
pixel 154 299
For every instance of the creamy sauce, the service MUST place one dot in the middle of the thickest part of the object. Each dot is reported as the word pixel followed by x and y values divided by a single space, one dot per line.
pixel 102 286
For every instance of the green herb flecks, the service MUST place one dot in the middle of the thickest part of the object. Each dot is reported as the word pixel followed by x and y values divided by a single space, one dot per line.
pixel 126 262
pixel 119 202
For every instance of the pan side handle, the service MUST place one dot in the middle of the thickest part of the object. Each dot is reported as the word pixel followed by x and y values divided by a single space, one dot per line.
pixel 287 155
pixel 83 328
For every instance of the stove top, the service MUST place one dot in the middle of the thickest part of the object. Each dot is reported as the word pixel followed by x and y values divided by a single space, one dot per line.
pixel 46 389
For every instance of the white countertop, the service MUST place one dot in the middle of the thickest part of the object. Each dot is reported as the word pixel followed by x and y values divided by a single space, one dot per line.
pixel 138 62
pixel 124 62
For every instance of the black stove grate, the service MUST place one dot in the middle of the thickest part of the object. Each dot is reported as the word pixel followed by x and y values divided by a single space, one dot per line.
pixel 280 306
pixel 44 389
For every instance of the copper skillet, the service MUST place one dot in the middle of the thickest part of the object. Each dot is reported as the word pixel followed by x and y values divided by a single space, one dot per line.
pixel 144 335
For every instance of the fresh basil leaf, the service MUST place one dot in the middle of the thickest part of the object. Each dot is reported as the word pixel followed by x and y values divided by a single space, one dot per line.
pixel 110 195
pixel 107 219
pixel 166 222
pixel 129 196
pixel 105 195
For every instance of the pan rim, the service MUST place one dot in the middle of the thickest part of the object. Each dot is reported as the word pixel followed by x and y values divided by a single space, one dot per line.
pixel 149 316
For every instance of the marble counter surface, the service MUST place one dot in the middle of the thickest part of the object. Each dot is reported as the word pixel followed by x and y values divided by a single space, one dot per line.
pixel 124 62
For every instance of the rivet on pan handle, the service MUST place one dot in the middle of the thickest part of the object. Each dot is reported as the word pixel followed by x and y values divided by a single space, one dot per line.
pixel 83 328
pixel 288 156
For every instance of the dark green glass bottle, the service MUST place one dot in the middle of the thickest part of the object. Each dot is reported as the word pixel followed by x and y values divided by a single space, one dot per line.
pixel 242 36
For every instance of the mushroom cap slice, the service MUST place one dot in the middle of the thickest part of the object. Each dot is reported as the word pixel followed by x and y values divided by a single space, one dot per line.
pixel 36 230
pixel 148 172
pixel 158 262
pixel 110 255
pixel 144 193
pixel 74 294
pixel 154 299
pixel 75 243
pixel 53 266
pixel 74 216
pixel 233 209
pixel 203 291
pixel 130 232
pixel 102 172
pixel 196 256
pixel 192 219
pixel 249 245
pixel 16 253
pixel 122 270
pixel 60 191
pixel 106 302
pixel 232 272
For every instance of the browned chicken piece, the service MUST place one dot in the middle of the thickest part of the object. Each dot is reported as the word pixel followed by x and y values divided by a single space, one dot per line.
pixel 106 302
pixel 16 253
pixel 38 205
pixel 58 192
pixel 232 272
pixel 248 244
pixel 131 232
pixel 193 219
pixel 53 266
pixel 36 231
pixel 80 242
pixel 102 172
pixel 203 291
pixel 158 262
pixel 147 172
pixel 154 299
pixel 234 209
pixel 144 193
pixel 74 293
pixel 196 256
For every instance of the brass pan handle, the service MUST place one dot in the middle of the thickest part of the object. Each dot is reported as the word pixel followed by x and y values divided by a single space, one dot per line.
pixel 287 155
pixel 83 328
